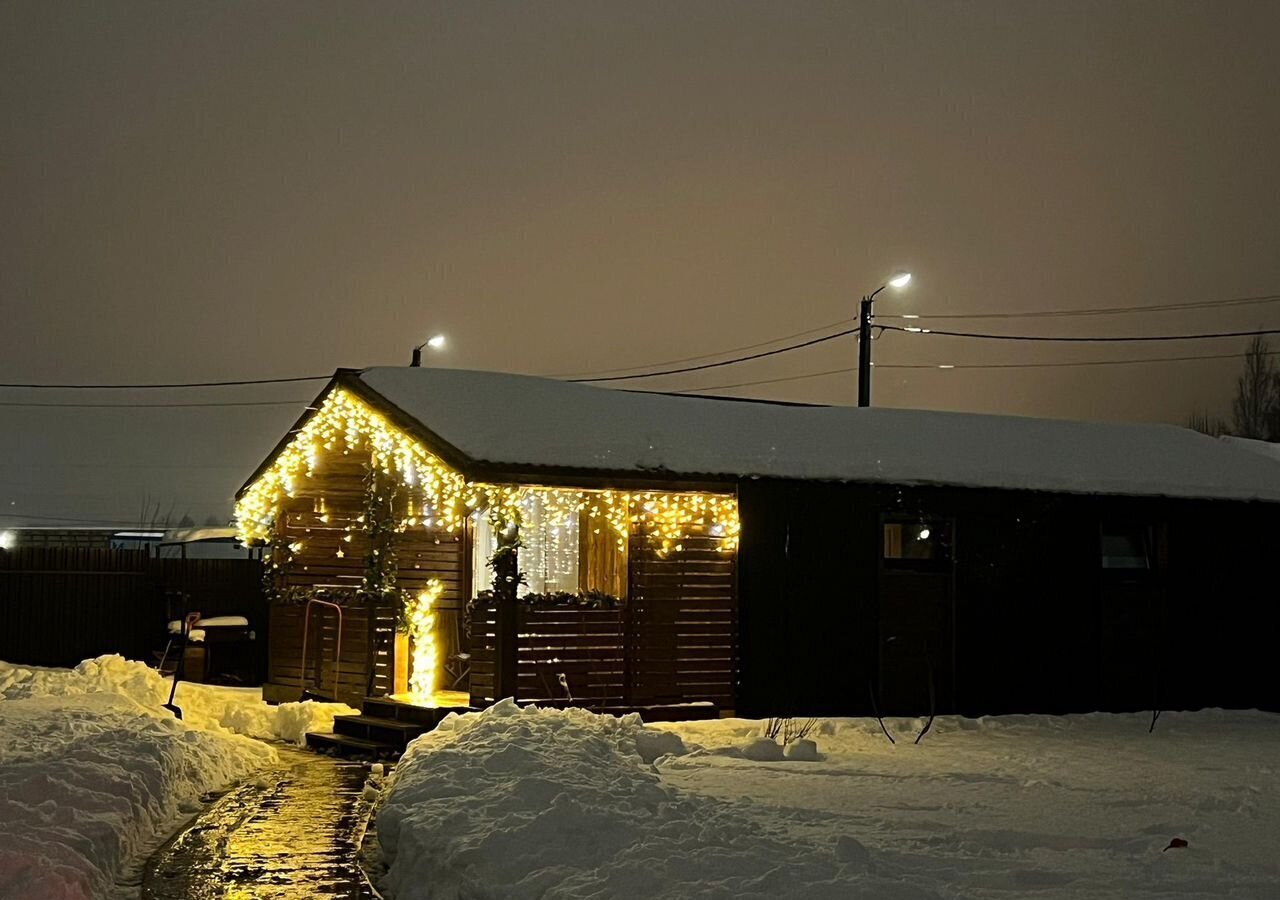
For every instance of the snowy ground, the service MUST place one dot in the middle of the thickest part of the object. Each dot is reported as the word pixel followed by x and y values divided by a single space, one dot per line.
pixel 525 803
pixel 93 771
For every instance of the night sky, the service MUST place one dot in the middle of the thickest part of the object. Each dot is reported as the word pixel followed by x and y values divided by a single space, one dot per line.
pixel 209 191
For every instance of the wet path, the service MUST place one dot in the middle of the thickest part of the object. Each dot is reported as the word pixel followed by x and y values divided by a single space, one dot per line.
pixel 290 835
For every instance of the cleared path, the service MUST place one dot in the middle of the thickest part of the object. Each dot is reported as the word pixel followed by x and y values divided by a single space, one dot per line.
pixel 292 834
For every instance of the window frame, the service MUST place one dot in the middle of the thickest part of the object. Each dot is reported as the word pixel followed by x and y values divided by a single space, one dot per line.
pixel 944 543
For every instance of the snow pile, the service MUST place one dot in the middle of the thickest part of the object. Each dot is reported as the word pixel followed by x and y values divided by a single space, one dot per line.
pixel 562 804
pixel 93 769
pixel 207 707
pixel 86 781
pixel 526 803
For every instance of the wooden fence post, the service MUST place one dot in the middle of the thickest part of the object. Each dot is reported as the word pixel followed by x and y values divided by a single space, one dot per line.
pixel 506 680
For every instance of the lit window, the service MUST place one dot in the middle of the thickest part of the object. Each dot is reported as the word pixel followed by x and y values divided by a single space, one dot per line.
pixel 916 543
pixel 548 546
pixel 560 550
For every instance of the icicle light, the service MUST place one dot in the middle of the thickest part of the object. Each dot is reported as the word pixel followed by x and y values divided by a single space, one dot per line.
pixel 444 497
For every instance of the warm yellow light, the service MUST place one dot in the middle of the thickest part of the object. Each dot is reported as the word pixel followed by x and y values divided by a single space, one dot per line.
pixel 446 497
pixel 423 652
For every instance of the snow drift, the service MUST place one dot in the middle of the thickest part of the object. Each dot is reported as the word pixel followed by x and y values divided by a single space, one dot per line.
pixel 526 803
pixel 206 707
pixel 92 769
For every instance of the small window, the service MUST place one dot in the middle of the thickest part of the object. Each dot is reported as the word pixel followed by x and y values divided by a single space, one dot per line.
pixel 559 551
pixel 917 543
pixel 1126 547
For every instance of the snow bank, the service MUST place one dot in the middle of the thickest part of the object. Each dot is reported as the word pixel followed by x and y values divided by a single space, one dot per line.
pixel 93 769
pixel 86 781
pixel 207 707
pixel 526 803
pixel 566 804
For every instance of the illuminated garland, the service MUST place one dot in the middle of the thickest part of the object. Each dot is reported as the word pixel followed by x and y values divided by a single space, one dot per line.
pixel 420 624
pixel 344 422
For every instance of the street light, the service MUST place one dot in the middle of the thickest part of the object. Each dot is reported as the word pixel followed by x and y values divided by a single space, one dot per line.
pixel 865 318
pixel 435 342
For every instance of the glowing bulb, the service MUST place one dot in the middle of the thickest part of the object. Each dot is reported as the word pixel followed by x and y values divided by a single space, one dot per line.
pixel 924 534
pixel 901 280
pixel 8 540
pixel 436 341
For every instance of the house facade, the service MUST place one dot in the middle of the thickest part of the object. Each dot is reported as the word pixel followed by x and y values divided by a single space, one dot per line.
pixel 496 535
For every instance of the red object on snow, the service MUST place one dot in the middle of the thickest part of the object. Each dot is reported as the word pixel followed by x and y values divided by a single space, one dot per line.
pixel 1176 842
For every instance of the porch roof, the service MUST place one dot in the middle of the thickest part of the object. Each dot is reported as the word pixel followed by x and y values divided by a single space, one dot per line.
pixel 525 425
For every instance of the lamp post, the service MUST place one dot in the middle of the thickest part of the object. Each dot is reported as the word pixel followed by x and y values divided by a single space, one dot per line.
pixel 435 342
pixel 866 316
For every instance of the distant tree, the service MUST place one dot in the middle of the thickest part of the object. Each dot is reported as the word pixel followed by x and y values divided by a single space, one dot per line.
pixel 213 522
pixel 1255 412
pixel 1204 423
pixel 186 522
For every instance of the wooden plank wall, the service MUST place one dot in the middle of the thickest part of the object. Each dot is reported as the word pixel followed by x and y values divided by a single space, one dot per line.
pixel 325 511
pixel 587 646
pixel 59 605
pixel 674 641
pixel 682 629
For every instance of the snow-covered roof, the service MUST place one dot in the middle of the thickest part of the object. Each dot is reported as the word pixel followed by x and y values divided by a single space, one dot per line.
pixel 521 422
pixel 1264 448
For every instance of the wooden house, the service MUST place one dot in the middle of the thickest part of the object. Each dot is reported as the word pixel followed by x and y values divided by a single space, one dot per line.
pixel 626 550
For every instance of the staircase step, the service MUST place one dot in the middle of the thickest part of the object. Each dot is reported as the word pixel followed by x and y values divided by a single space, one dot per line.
pixel 377 728
pixel 427 716
pixel 346 745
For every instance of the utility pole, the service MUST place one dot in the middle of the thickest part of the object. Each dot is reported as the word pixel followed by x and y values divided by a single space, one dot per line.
pixel 866 316
pixel 864 353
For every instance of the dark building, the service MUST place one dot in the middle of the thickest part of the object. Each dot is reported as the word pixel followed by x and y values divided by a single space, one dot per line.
pixel 767 558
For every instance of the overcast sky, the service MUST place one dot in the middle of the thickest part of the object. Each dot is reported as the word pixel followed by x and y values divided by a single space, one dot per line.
pixel 223 190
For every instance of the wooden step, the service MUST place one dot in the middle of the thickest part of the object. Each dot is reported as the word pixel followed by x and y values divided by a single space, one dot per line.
pixel 347 745
pixel 378 728
pixel 427 716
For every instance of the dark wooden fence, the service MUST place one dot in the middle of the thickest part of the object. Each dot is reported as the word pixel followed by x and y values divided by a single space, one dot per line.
pixel 586 646
pixel 675 639
pixel 59 605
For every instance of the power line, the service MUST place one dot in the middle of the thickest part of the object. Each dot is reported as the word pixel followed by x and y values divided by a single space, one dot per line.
pixel 1091 339
pixel 727 362
pixel 674 362
pixel 181 384
pixel 1038 314
pixel 152 405
pixel 947 366
pixel 1095 311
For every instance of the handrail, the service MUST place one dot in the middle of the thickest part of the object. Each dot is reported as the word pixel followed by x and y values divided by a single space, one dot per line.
pixel 337 653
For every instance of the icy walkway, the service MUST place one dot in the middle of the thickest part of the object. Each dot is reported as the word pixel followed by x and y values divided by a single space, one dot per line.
pixel 291 834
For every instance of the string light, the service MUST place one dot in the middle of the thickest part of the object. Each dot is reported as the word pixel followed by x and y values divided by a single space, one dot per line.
pixel 446 497
pixel 420 617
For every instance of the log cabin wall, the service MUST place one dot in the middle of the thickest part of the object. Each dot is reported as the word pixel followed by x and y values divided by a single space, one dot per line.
pixel 323 522
pixel 1036 622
